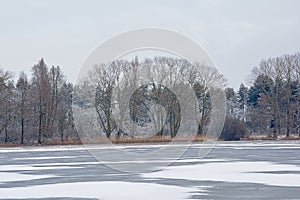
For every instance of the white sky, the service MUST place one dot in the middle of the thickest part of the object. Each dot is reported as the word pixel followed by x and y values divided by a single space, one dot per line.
pixel 236 34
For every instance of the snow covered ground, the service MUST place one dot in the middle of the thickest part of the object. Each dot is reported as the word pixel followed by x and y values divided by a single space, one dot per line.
pixel 241 170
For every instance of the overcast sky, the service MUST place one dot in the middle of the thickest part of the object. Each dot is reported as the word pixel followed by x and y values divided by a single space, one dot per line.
pixel 236 34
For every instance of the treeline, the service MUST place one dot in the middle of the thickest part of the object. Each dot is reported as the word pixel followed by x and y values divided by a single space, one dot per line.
pixel 142 98
pixel 38 110
pixel 271 105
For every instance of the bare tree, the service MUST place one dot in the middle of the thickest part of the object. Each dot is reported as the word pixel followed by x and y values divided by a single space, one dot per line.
pixel 63 106
pixel 6 102
pixel 23 87
pixel 105 79
pixel 41 89
pixel 153 105
pixel 204 78
pixel 276 87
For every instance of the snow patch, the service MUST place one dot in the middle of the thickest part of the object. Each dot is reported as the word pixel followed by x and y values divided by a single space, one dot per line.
pixel 50 157
pixel 110 190
pixel 248 172
pixel 33 167
pixel 8 177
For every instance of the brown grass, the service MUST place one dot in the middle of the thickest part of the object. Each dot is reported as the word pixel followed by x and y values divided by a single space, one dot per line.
pixel 128 140
pixel 57 141
pixel 140 140
pixel 156 140
pixel 9 145
pixel 259 137
pixel 266 137
pixel 291 138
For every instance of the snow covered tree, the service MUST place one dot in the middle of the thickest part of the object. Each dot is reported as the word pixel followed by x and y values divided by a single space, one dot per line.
pixel 22 87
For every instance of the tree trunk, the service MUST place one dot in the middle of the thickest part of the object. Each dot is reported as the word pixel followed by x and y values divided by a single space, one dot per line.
pixel 288 129
pixel 62 135
pixel 40 128
pixel 6 134
pixel 22 131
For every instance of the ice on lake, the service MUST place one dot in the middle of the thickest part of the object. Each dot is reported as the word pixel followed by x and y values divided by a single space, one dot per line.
pixel 243 170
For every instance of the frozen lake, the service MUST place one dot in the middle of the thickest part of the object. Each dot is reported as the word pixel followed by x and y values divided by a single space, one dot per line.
pixel 232 170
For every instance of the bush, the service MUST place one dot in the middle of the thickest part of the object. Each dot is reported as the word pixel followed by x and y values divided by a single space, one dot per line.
pixel 234 129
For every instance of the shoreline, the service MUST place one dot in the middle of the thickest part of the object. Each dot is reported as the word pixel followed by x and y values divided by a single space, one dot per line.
pixel 147 141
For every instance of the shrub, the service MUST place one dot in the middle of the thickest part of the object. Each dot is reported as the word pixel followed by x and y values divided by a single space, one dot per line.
pixel 234 129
